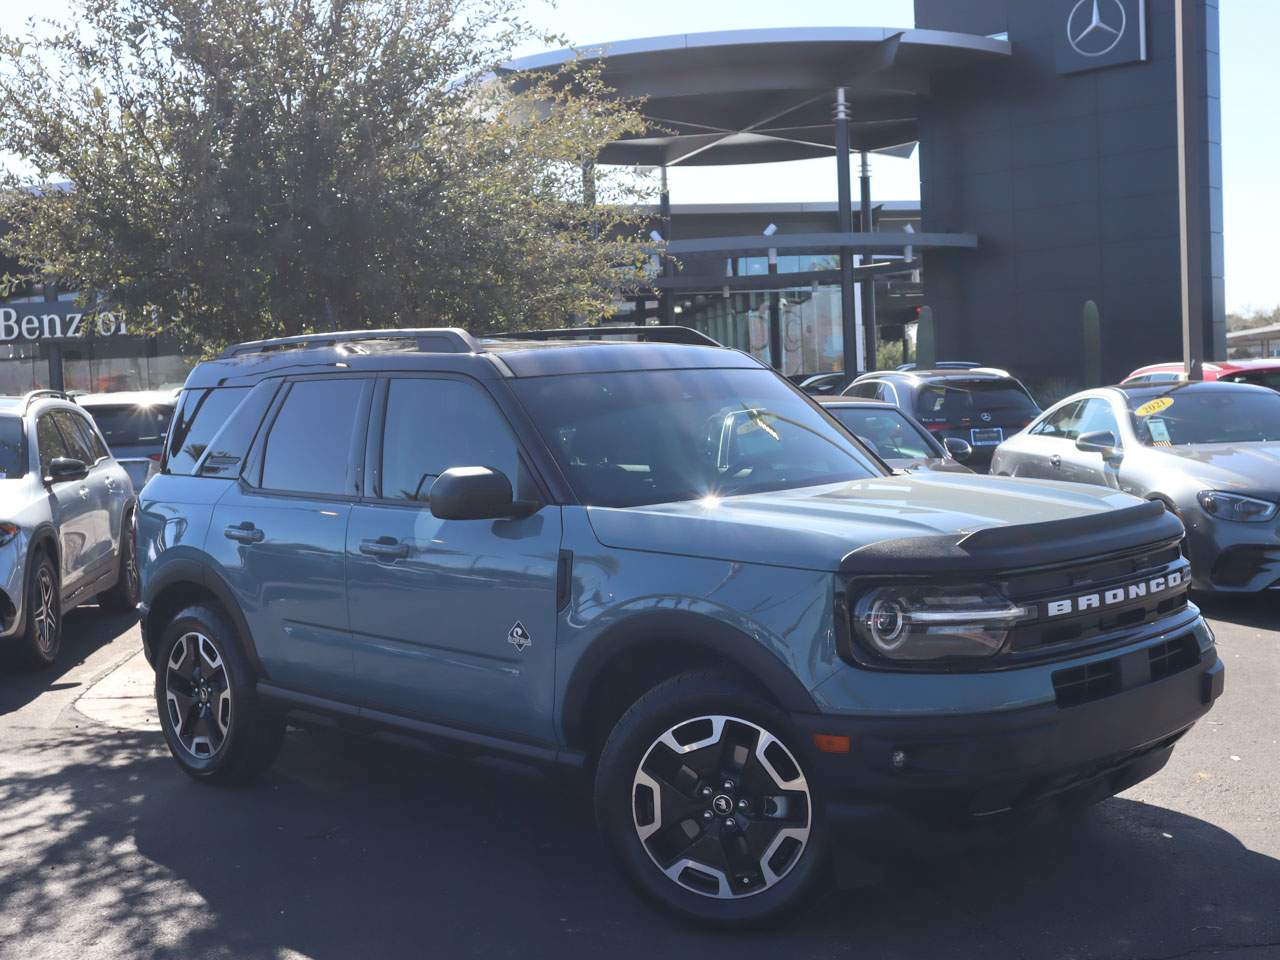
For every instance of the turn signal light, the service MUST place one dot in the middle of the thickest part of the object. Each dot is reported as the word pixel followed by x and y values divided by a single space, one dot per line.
pixel 830 743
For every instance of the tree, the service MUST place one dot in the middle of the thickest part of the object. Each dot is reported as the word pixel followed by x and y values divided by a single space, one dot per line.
pixel 249 168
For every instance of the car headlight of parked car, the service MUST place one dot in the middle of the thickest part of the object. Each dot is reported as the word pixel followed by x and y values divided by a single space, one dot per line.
pixel 7 532
pixel 1233 506
pixel 931 622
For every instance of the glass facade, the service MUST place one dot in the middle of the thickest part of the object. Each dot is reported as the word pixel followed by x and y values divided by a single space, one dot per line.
pixel 96 354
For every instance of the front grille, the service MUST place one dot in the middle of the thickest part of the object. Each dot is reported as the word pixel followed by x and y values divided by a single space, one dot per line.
pixel 1050 636
pixel 1085 684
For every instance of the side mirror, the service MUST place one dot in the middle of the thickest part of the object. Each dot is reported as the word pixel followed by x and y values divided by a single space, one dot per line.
pixel 960 450
pixel 474 493
pixel 63 469
pixel 1103 442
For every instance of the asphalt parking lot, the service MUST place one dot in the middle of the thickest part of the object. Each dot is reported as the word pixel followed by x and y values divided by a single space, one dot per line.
pixel 353 849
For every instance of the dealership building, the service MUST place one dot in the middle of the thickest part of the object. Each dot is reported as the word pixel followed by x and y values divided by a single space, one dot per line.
pixel 1051 147
pixel 1048 140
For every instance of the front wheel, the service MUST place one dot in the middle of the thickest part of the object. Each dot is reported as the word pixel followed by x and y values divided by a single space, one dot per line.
pixel 41 638
pixel 216 728
pixel 702 795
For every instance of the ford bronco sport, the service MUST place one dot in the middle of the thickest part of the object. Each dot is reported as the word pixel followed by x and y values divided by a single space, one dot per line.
pixel 662 563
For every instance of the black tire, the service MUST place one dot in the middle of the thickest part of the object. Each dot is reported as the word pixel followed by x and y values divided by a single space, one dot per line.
pixel 744 894
pixel 123 597
pixel 37 646
pixel 217 729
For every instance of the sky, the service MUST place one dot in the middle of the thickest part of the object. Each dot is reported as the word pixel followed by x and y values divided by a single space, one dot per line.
pixel 1250 91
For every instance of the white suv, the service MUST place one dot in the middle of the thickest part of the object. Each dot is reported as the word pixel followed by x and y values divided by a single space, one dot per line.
pixel 66 523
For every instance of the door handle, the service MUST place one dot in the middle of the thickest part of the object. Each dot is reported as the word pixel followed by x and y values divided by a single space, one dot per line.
pixel 387 548
pixel 1056 462
pixel 244 532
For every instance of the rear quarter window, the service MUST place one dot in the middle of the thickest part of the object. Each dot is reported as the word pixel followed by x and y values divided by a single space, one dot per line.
pixel 200 415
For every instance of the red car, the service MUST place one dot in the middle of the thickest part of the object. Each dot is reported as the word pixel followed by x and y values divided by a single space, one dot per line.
pixel 1261 372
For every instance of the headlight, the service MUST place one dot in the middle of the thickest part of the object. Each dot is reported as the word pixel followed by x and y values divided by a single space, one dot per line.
pixel 7 532
pixel 935 622
pixel 1232 506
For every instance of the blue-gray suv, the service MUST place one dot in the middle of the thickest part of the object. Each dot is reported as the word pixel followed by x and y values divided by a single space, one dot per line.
pixel 661 563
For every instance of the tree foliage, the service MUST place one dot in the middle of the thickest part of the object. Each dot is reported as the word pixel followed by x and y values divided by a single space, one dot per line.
pixel 250 168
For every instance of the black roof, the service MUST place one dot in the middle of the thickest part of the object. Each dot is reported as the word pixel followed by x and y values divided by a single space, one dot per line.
pixel 455 351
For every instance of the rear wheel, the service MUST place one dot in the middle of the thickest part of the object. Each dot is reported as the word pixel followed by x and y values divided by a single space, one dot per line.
pixel 41 638
pixel 123 597
pixel 702 795
pixel 216 728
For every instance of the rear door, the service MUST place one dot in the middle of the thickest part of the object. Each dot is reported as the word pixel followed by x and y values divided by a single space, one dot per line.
pixel 70 506
pixel 454 620
pixel 1039 453
pixel 279 535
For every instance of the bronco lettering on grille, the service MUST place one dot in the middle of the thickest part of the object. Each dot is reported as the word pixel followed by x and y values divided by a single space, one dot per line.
pixel 1115 595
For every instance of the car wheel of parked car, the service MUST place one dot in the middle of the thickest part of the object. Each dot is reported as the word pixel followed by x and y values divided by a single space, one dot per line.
pixel 215 725
pixel 702 794
pixel 123 597
pixel 41 637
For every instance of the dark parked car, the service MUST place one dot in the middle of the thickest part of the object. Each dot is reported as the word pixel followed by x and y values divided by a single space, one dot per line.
pixel 1209 451
pixel 659 563
pixel 896 436
pixel 134 425
pixel 981 406
pixel 825 384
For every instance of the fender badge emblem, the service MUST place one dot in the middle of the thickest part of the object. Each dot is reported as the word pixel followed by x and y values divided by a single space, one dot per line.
pixel 519 637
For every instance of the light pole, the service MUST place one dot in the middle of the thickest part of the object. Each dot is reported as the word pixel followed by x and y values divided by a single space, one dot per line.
pixel 1192 119
pixel 844 199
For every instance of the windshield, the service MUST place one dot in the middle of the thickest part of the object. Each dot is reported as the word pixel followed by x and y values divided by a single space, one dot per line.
pixel 12 462
pixel 1235 415
pixel 656 436
pixel 892 435
pixel 132 424
pixel 1262 378
pixel 965 399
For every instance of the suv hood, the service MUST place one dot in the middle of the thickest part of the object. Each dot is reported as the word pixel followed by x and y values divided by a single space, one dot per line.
pixel 1243 467
pixel 925 516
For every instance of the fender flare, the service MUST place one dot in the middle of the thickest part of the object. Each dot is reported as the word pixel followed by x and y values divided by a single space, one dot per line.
pixel 702 633
pixel 196 571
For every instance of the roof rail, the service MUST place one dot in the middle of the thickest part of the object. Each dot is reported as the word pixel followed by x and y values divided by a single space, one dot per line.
pixel 643 334
pixel 34 395
pixel 429 339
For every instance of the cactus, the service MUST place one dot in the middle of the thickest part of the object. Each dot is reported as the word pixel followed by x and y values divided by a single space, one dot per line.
pixel 926 340
pixel 1092 345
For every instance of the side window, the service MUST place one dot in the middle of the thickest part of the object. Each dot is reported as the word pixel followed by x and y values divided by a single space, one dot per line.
pixel 432 425
pixel 866 391
pixel 1097 416
pixel 887 393
pixel 1063 423
pixel 198 418
pixel 309 447
pixel 80 433
pixel 230 445
pixel 50 442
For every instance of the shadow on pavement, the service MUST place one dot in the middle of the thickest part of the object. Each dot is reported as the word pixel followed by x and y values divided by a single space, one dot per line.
pixel 84 630
pixel 1258 610
pixel 353 849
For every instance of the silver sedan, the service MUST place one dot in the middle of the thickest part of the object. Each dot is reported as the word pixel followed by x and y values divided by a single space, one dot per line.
pixel 1210 451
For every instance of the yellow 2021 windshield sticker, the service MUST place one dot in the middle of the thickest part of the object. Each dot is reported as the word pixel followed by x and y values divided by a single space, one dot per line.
pixel 1158 405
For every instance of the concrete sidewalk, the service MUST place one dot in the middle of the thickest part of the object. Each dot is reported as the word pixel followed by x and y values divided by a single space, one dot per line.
pixel 124 698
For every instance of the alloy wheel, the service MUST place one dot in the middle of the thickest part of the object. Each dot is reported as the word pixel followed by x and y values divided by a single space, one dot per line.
pixel 46 612
pixel 197 695
pixel 721 807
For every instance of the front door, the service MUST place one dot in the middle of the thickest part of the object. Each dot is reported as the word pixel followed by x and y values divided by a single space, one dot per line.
pixel 72 507
pixel 1080 466
pixel 454 621
pixel 279 535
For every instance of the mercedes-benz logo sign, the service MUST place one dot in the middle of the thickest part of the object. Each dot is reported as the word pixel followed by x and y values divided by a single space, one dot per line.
pixel 986 416
pixel 1096 26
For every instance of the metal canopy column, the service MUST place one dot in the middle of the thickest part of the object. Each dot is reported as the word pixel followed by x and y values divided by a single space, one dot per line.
pixel 1189 32
pixel 844 201
pixel 868 285
pixel 667 298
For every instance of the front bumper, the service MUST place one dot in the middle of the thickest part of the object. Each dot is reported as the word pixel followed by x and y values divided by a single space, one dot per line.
pixel 1231 557
pixel 966 768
